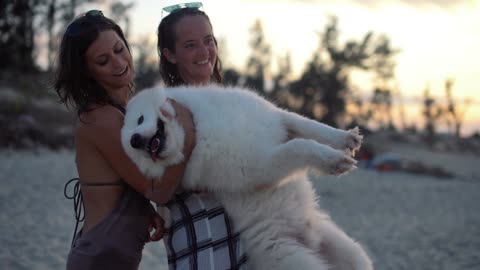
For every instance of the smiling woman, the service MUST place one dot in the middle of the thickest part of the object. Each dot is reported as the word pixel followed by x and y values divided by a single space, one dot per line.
pixel 195 51
pixel 110 63
pixel 188 48
pixel 93 53
pixel 94 75
pixel 202 235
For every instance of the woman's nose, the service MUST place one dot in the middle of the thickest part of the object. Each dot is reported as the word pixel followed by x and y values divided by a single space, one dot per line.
pixel 117 62
pixel 204 50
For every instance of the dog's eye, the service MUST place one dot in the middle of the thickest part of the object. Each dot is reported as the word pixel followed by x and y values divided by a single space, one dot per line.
pixel 140 120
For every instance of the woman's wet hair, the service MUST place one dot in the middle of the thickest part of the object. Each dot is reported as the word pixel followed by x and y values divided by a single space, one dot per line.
pixel 166 38
pixel 73 82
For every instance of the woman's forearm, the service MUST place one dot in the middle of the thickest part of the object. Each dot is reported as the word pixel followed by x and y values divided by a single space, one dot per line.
pixel 162 189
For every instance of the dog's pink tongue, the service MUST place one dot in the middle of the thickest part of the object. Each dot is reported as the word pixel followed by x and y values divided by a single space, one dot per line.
pixel 153 148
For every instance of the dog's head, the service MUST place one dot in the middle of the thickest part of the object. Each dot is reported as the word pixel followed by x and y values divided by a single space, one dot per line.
pixel 150 135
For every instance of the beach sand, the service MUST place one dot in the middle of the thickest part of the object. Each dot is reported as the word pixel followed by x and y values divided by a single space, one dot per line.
pixel 404 221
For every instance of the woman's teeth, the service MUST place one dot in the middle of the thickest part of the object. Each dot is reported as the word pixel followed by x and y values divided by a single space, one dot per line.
pixel 203 62
pixel 122 72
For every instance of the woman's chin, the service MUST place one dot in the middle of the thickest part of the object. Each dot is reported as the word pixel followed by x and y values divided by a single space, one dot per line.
pixel 206 72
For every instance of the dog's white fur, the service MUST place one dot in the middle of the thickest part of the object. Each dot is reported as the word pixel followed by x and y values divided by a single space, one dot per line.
pixel 253 156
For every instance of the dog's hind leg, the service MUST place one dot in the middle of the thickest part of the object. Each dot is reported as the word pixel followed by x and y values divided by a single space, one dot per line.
pixel 299 126
pixel 287 254
pixel 340 251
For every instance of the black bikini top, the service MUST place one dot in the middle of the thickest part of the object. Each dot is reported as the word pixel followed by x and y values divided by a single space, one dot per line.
pixel 119 107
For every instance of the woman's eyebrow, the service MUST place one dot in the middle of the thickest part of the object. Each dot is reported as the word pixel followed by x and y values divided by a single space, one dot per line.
pixel 106 54
pixel 116 43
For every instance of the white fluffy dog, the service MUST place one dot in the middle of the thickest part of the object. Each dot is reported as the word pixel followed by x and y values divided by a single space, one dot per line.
pixel 253 156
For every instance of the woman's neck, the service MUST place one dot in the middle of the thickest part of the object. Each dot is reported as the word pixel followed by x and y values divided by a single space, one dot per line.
pixel 197 83
pixel 120 96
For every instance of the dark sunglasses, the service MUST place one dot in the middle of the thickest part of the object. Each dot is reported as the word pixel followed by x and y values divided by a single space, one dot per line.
pixel 178 7
pixel 75 28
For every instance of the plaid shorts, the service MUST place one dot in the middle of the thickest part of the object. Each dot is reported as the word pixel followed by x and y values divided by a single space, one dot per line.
pixel 201 235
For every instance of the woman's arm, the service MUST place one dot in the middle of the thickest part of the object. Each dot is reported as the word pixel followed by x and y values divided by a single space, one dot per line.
pixel 166 186
pixel 103 130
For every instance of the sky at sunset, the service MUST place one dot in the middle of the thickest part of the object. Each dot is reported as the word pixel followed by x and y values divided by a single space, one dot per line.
pixel 437 39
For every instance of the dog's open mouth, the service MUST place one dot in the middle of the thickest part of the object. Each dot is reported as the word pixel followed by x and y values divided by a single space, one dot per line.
pixel 156 145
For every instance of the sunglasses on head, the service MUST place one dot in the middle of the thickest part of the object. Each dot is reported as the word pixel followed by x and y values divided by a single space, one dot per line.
pixel 178 7
pixel 75 28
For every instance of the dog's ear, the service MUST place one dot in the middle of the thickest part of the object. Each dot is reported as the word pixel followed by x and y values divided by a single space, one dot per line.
pixel 166 114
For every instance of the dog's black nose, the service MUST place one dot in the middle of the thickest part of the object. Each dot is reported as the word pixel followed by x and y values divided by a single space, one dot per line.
pixel 136 141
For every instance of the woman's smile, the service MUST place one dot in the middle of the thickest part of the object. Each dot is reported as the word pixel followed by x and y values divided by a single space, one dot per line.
pixel 122 72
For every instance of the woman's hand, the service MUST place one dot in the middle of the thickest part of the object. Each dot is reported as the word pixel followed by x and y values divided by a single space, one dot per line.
pixel 156 223
pixel 162 189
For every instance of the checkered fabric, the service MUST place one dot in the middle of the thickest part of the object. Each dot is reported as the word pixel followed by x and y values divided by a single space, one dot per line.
pixel 201 235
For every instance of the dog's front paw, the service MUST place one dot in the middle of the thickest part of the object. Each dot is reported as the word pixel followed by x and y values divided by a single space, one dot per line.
pixel 353 140
pixel 340 163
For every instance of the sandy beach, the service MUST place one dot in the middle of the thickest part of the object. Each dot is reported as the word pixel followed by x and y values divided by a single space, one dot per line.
pixel 404 221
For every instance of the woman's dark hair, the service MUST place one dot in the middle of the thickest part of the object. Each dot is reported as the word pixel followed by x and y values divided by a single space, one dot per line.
pixel 73 83
pixel 166 38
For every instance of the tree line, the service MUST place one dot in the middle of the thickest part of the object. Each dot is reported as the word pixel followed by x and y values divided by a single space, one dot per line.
pixel 322 91
pixel 21 21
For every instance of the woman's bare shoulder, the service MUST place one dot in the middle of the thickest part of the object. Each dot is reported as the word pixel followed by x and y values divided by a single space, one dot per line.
pixel 100 118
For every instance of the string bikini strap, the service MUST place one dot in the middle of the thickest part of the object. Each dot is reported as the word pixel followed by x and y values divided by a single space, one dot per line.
pixel 78 206
pixel 119 107
pixel 77 196
pixel 118 182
